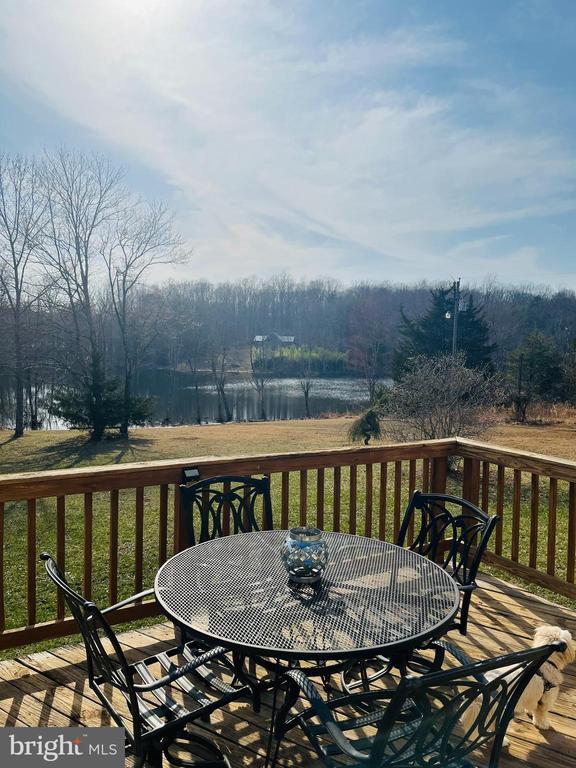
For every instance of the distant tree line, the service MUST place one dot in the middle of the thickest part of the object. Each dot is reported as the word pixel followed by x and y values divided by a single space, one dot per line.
pixel 79 314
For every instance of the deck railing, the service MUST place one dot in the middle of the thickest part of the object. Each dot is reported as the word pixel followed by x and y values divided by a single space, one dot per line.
pixel 112 526
pixel 535 497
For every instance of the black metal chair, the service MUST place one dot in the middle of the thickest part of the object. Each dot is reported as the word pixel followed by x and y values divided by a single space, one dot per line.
pixel 452 532
pixel 223 504
pixel 437 719
pixel 227 504
pixel 153 710
pixel 219 505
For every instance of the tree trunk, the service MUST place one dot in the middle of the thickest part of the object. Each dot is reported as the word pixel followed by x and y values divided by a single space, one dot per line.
pixel 227 409
pixel 220 414
pixel 307 403
pixel 19 416
pixel 197 394
pixel 371 389
pixel 32 396
pixel 18 378
pixel 262 405
pixel 126 398
pixel 97 386
pixel 97 431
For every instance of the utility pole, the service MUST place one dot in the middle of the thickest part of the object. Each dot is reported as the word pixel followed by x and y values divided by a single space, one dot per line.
pixel 456 289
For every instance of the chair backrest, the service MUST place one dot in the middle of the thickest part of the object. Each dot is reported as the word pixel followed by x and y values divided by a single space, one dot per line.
pixel 224 504
pixel 442 718
pixel 107 666
pixel 449 530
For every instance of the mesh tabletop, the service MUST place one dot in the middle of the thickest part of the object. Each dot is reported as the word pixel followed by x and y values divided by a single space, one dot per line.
pixel 374 596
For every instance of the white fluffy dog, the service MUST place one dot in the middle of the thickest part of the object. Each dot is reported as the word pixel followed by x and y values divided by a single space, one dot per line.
pixel 542 691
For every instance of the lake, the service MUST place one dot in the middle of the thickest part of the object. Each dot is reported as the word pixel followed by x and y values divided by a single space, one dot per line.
pixel 175 402
pixel 175 397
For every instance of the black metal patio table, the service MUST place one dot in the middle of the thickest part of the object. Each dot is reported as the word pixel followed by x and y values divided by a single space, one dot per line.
pixel 375 598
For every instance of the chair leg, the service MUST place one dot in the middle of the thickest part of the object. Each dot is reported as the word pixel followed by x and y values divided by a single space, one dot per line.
pixel 152 756
pixel 274 756
pixel 464 610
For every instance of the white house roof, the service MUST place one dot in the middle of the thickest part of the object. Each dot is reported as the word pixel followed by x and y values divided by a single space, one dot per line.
pixel 269 336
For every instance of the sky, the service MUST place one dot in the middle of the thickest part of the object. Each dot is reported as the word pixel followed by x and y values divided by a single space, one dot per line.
pixel 361 140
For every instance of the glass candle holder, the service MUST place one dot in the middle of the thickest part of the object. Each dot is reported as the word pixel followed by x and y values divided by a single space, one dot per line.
pixel 305 555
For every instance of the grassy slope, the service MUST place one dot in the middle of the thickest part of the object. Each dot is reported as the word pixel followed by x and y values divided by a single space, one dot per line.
pixel 64 449
pixel 50 450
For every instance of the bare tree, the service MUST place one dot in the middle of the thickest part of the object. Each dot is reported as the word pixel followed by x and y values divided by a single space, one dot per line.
pixel 188 314
pixel 194 351
pixel 439 397
pixel 367 346
pixel 84 193
pixel 220 336
pixel 306 380
pixel 40 358
pixel 22 221
pixel 142 237
pixel 219 366
pixel 261 374
pixel 436 397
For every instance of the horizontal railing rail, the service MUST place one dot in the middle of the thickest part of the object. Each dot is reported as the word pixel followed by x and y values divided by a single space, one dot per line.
pixel 111 527
pixel 14 487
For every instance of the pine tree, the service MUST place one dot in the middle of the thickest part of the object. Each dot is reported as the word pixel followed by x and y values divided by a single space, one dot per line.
pixel 431 334
pixel 535 373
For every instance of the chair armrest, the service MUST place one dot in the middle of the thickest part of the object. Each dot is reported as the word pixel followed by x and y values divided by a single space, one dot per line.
pixel 179 672
pixel 300 683
pixel 128 600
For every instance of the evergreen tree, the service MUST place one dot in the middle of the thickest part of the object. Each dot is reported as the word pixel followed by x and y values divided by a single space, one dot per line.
pixel 85 408
pixel 569 373
pixel 535 372
pixel 431 334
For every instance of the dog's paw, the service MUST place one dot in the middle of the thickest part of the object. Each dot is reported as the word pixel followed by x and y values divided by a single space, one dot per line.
pixel 505 741
pixel 542 723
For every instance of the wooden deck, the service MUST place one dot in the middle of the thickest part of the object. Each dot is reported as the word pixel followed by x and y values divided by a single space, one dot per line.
pixel 50 689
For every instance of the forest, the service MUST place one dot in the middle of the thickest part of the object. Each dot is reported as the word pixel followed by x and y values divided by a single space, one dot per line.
pixel 80 313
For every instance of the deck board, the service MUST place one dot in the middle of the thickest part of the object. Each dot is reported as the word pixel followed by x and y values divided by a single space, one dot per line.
pixel 50 688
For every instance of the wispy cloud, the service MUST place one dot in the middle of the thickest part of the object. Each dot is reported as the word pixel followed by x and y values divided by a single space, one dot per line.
pixel 347 145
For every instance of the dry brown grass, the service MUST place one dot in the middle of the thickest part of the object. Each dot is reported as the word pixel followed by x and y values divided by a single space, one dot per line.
pixel 60 449
pixel 551 431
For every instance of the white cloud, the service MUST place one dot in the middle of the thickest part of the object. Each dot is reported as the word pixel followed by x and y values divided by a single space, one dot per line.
pixel 365 55
pixel 239 108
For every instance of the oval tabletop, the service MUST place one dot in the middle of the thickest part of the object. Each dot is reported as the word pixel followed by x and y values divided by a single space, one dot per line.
pixel 374 597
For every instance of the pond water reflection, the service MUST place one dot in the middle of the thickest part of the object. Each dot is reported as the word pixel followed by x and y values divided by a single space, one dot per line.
pixel 177 402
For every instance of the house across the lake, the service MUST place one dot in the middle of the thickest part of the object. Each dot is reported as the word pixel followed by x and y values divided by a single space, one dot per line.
pixel 274 340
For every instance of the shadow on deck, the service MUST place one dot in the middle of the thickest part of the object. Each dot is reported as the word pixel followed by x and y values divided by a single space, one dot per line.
pixel 49 688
